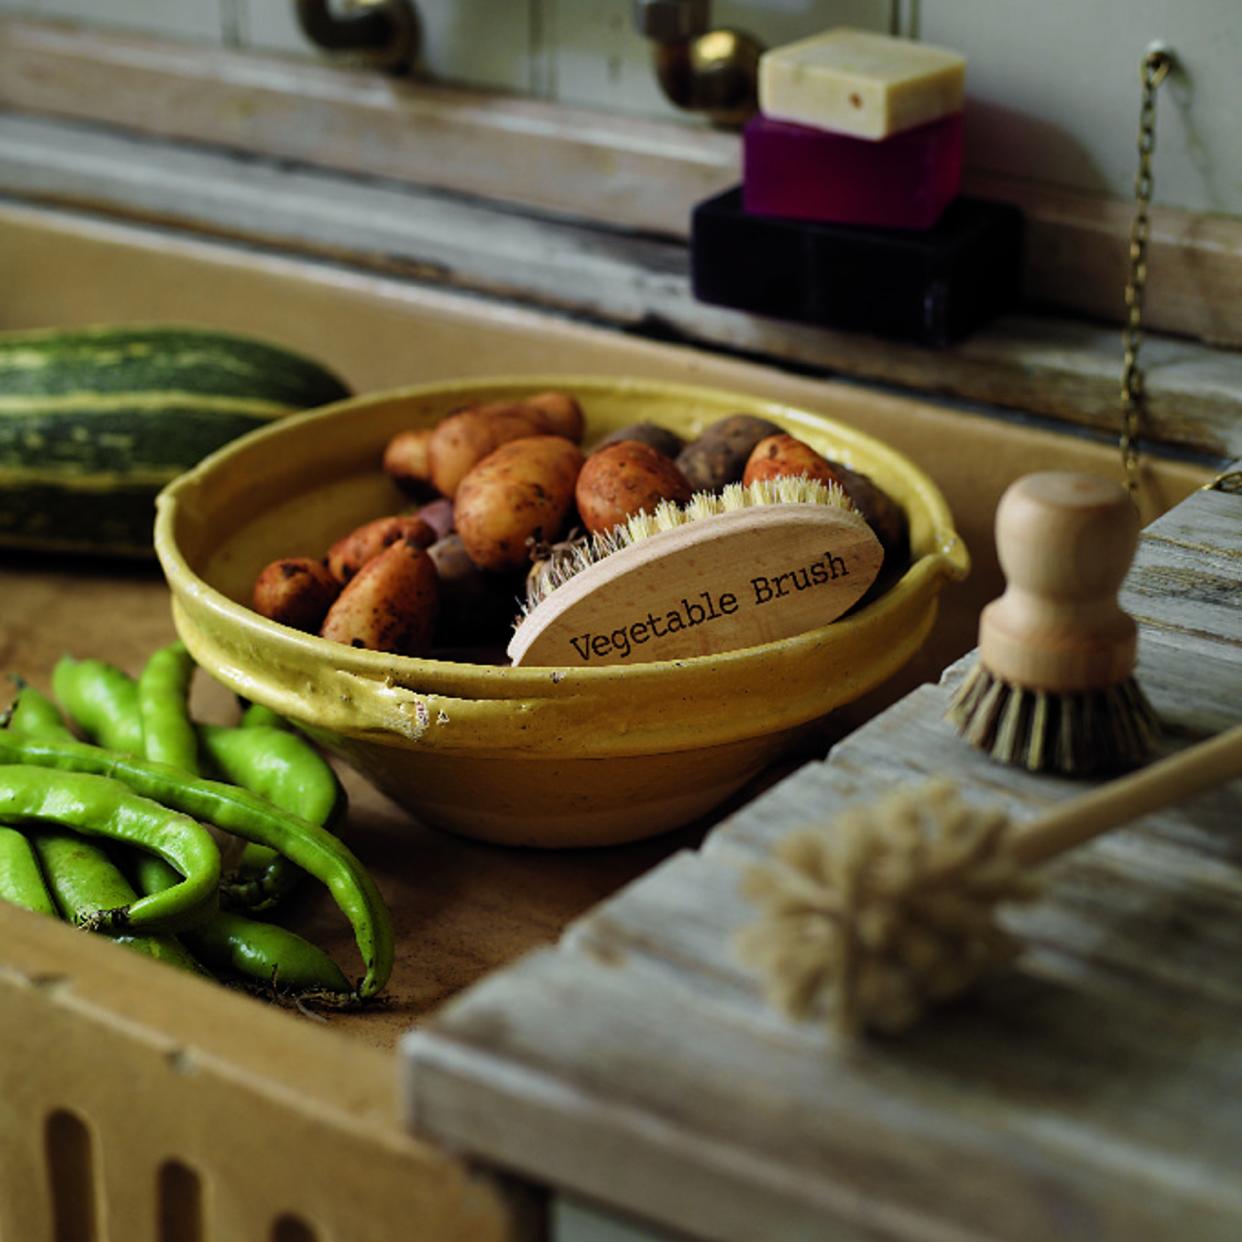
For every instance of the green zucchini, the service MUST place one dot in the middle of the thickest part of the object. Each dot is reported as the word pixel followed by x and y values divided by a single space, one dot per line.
pixel 94 421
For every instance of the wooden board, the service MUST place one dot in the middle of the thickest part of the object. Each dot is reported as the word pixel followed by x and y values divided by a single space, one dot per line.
pixel 616 170
pixel 1086 1094
pixel 1067 370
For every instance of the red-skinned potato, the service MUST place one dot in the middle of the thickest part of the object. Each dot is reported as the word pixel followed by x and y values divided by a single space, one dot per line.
pixel 780 456
pixel 523 490
pixel 463 439
pixel 295 591
pixel 348 555
pixel 623 479
pixel 438 514
pixel 390 604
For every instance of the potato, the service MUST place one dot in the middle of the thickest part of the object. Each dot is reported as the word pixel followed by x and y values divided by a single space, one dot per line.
pixel 624 479
pixel 474 605
pixel 667 443
pixel 348 555
pixel 438 514
pixel 522 491
pixel 463 439
pixel 295 591
pixel 390 604
pixel 406 459
pixel 882 513
pixel 719 455
pixel 781 455
pixel 561 414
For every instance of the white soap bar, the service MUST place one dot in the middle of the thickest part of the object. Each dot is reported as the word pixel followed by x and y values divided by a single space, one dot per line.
pixel 859 83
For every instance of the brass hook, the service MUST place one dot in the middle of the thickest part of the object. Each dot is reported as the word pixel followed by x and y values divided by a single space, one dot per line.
pixel 700 69
pixel 385 33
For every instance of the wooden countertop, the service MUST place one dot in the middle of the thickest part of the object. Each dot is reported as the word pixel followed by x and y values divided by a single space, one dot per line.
pixel 1089 1093
pixel 461 908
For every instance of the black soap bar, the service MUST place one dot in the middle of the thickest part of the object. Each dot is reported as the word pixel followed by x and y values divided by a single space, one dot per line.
pixel 932 286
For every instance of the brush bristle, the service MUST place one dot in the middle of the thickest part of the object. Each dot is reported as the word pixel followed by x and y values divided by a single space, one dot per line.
pixel 1074 734
pixel 570 558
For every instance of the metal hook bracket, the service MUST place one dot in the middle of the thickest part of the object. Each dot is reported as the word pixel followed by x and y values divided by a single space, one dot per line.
pixel 383 33
pixel 700 69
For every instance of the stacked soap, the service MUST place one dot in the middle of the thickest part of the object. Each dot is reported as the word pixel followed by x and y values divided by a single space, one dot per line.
pixel 849 214
pixel 856 128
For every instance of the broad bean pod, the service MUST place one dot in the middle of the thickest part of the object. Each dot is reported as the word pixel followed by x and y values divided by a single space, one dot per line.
pixel 102 700
pixel 35 715
pixel 261 951
pixel 21 877
pixel 246 815
pixel 95 805
pixel 83 878
pixel 281 766
pixel 168 733
pixel 256 714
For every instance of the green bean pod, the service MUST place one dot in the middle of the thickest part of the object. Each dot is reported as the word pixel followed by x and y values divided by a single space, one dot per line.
pixel 261 951
pixel 281 766
pixel 252 818
pixel 101 700
pixel 96 805
pixel 256 714
pixel 83 879
pixel 21 877
pixel 168 733
pixel 35 715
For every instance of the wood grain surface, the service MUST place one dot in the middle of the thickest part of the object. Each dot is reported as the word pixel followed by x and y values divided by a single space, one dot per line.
pixel 1087 1094
pixel 621 171
pixel 1065 369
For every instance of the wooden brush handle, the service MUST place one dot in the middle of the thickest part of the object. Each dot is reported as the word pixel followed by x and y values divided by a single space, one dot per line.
pixel 1174 779
pixel 1065 543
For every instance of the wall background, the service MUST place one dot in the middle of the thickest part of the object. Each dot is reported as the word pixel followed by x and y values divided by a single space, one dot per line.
pixel 1053 87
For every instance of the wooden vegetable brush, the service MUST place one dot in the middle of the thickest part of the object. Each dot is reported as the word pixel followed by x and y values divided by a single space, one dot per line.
pixel 1053 689
pixel 755 564
pixel 892 908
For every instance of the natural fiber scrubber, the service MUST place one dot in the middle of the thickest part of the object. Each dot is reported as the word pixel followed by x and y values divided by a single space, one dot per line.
pixel 892 908
pixel 1053 689
pixel 757 563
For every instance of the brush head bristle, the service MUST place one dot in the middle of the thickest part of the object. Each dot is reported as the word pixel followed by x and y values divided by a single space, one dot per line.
pixel 885 911
pixel 565 560
pixel 1075 734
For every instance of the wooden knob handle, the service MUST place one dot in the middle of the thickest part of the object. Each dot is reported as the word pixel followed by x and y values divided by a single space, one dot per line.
pixel 1065 543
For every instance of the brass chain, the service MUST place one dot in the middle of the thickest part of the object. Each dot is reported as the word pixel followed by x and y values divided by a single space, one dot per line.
pixel 1154 69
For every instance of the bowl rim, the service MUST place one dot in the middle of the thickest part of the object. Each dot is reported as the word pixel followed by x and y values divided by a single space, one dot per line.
pixel 947 559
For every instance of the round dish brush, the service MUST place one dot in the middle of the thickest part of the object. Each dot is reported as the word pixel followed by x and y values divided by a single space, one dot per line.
pixel 1053 689
pixel 892 908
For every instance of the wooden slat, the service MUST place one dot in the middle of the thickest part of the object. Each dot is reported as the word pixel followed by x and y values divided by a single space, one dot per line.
pixel 618 170
pixel 496 146
pixel 1085 1094
pixel 1064 369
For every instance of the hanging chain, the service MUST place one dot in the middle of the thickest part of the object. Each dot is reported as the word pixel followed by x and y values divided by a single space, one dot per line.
pixel 1154 69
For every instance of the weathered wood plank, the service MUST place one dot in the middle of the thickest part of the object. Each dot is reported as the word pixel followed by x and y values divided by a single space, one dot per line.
pixel 1063 369
pixel 674 1099
pixel 1083 1094
pixel 619 170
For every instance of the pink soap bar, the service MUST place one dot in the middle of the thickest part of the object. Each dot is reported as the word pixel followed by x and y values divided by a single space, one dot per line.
pixel 901 182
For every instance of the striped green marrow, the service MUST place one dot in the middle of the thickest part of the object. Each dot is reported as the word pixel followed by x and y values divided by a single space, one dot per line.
pixel 93 422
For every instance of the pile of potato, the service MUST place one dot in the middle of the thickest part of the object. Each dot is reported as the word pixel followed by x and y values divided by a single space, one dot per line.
pixel 499 483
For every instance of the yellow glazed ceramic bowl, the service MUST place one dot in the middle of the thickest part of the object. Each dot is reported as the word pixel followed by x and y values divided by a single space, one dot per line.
pixel 526 756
